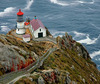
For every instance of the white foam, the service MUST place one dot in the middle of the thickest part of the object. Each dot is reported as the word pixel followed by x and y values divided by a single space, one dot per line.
pixel 7 11
pixel 59 2
pixel 60 33
pixel 88 40
pixel 77 34
pixel 5 29
pixel 97 59
pixel 82 2
pixel 95 53
pixel 28 5
pixel 62 3
pixel 98 66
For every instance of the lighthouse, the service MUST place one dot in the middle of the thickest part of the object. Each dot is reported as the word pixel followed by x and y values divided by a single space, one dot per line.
pixel 20 23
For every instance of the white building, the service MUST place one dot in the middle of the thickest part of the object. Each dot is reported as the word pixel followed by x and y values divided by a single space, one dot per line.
pixel 26 37
pixel 20 23
pixel 27 25
pixel 37 28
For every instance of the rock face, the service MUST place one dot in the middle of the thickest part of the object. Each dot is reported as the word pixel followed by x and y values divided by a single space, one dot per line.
pixel 47 32
pixel 16 54
pixel 8 57
pixel 13 57
pixel 40 80
pixel 66 42
pixel 82 51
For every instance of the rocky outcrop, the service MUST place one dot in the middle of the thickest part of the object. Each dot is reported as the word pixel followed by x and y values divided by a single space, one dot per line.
pixel 69 81
pixel 40 80
pixel 9 56
pixel 66 42
pixel 13 57
pixel 47 32
pixel 16 54
pixel 82 51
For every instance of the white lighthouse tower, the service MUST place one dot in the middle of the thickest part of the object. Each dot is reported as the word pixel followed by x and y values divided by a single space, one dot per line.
pixel 20 23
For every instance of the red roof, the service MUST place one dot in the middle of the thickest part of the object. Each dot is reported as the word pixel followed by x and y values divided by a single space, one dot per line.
pixel 36 23
pixel 20 13
pixel 26 23
pixel 26 36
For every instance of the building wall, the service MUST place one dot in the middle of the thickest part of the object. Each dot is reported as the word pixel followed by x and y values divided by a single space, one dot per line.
pixel 27 26
pixel 38 31
pixel 26 39
pixel 20 31
pixel 31 30
pixel 20 24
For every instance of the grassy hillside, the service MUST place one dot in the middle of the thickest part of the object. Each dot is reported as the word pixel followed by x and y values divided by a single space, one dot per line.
pixel 69 64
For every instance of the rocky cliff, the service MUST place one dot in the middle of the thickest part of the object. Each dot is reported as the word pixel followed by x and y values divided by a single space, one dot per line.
pixel 16 54
pixel 69 64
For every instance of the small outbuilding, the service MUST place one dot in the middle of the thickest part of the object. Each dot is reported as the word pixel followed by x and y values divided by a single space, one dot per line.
pixel 37 28
pixel 27 24
pixel 26 37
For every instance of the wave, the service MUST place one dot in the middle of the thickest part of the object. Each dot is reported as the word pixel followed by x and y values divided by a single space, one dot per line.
pixel 90 8
pixel 28 5
pixel 94 26
pixel 95 53
pixel 51 16
pixel 63 3
pixel 59 2
pixel 88 40
pixel 82 2
pixel 98 66
pixel 5 29
pixel 7 11
pixel 77 34
pixel 58 33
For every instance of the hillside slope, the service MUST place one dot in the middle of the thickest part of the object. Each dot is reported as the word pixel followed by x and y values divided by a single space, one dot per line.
pixel 16 54
pixel 69 64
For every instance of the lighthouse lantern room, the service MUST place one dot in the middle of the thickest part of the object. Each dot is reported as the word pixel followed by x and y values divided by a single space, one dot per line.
pixel 20 23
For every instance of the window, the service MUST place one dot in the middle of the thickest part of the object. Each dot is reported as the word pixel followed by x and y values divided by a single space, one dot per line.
pixel 40 29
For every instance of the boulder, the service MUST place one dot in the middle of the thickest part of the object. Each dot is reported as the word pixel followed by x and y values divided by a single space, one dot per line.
pixel 41 80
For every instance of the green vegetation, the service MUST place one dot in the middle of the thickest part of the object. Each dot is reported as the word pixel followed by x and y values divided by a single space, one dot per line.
pixel 65 59
pixel 70 58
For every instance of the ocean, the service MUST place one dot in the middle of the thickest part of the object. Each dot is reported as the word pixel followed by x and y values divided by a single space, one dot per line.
pixel 80 18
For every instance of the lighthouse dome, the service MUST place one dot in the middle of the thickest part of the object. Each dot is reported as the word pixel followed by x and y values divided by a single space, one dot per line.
pixel 20 12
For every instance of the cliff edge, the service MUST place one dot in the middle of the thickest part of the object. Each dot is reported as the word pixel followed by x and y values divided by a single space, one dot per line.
pixel 69 64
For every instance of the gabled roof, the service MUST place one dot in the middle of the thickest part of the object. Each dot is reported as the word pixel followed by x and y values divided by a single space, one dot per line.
pixel 26 36
pixel 36 23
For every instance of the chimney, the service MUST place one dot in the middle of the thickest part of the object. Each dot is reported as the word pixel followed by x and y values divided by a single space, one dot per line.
pixel 35 17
